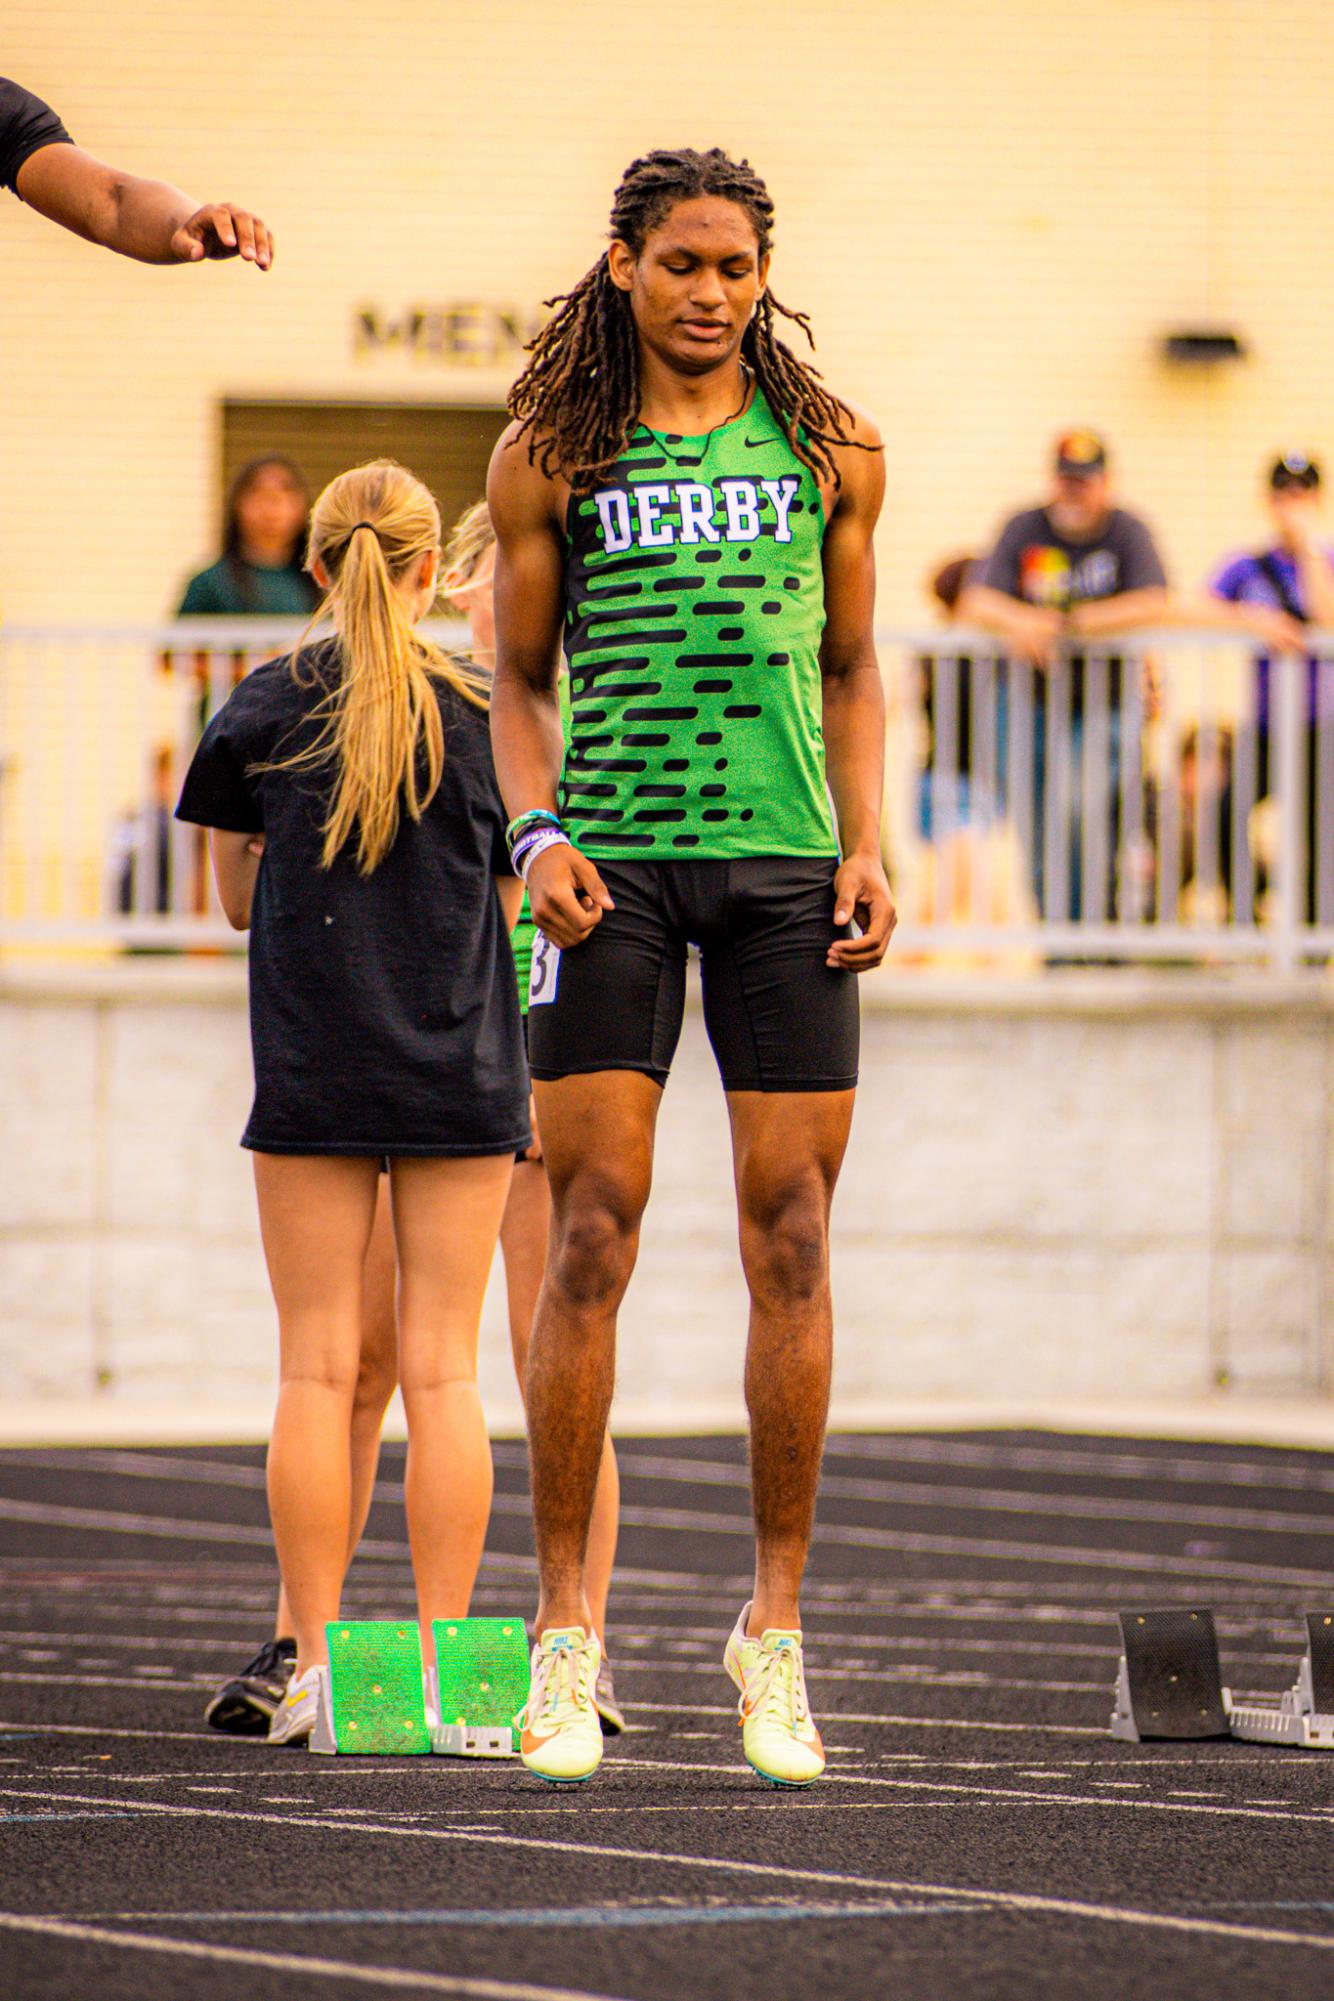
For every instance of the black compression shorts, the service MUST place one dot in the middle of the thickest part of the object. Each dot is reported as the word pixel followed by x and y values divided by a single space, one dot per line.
pixel 779 1019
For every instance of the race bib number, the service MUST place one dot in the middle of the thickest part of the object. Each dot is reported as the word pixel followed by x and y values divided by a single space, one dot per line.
pixel 545 971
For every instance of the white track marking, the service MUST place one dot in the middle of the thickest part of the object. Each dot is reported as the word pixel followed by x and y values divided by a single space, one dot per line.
pixel 1003 1794
pixel 1094 1464
pixel 296 1963
pixel 717 1473
pixel 104 1681
pixel 979 1550
pixel 1015 1500
pixel 968 1897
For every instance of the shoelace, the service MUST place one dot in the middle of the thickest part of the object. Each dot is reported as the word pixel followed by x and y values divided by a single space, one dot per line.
pixel 560 1686
pixel 779 1686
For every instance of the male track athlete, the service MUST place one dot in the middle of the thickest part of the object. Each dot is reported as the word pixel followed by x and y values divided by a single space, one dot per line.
pixel 157 224
pixel 687 500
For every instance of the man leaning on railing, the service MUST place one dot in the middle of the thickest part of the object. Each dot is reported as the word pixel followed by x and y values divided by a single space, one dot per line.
pixel 1075 568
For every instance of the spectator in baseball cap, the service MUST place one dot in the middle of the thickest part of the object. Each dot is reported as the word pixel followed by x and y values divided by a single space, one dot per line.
pixel 1276 592
pixel 1293 576
pixel 1077 566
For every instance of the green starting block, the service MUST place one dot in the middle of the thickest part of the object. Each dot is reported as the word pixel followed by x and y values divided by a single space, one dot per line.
pixel 376 1702
pixel 481 1683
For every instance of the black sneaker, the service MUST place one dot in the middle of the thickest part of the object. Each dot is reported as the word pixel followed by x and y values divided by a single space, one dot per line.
pixel 243 1706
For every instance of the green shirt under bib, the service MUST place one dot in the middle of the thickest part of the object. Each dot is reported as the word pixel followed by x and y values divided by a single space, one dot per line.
pixel 694 606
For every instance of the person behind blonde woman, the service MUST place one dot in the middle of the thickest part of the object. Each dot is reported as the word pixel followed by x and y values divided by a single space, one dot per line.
pixel 470 563
pixel 384 1027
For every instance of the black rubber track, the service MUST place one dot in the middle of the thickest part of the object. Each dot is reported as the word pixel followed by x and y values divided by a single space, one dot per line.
pixel 978 1833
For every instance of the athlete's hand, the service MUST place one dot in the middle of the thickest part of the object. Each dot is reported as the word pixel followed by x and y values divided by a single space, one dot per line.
pixel 219 230
pixel 861 892
pixel 567 895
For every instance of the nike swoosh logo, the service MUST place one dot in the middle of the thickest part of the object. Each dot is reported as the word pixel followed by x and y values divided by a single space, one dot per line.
pixel 756 444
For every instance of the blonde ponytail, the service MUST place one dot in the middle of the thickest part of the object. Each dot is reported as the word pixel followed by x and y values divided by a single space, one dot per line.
pixel 382 732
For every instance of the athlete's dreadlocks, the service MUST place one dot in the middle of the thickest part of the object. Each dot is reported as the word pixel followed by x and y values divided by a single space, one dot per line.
pixel 578 398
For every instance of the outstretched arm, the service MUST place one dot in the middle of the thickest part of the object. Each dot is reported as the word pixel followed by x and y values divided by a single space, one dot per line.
pixel 147 220
pixel 564 888
pixel 854 705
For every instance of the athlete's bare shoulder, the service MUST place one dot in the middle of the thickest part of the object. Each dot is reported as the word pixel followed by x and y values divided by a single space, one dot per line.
pixel 860 458
pixel 519 488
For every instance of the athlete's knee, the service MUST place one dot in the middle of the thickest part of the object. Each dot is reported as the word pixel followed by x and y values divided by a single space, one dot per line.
pixel 377 1377
pixel 785 1246
pixel 593 1246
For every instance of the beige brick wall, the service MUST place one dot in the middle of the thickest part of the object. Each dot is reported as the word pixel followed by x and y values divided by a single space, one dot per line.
pixel 1097 1190
pixel 993 212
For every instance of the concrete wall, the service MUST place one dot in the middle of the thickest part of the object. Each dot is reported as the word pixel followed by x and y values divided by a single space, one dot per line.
pixel 1086 1188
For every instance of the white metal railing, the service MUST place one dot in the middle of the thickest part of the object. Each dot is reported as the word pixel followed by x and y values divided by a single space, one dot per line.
pixel 1161 796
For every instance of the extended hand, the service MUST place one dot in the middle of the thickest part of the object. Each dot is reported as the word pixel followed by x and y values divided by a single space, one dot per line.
pixel 219 230
pixel 861 892
pixel 567 895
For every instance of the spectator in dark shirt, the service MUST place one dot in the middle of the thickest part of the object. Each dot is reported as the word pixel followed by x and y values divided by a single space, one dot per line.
pixel 149 220
pixel 261 570
pixel 1076 567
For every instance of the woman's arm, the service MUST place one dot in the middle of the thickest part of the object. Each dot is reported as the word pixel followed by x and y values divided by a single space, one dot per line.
pixel 510 891
pixel 236 859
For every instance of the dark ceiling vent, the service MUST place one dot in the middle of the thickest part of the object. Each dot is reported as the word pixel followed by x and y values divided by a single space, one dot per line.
pixel 1203 344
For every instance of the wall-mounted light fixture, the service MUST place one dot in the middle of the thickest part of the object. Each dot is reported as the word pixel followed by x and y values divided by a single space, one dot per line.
pixel 1206 345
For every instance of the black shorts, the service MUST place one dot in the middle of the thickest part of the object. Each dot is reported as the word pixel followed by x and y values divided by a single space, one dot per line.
pixel 778 1017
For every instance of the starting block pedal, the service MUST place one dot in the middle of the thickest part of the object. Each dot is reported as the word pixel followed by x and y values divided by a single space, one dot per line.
pixel 1305 1712
pixel 374 1700
pixel 1169 1683
pixel 481 1681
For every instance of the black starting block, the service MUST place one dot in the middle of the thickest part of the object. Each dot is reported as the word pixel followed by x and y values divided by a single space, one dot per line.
pixel 1305 1712
pixel 1169 1683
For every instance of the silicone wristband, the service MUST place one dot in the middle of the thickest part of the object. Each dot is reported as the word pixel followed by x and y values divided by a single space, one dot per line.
pixel 535 834
pixel 539 817
pixel 530 854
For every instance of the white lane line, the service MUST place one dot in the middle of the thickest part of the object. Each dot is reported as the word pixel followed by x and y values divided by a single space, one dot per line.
pixel 976 1549
pixel 648 1633
pixel 717 1473
pixel 907 1677
pixel 1015 1500
pixel 1002 1794
pixel 105 1681
pixel 730 1866
pixel 1276 1471
pixel 296 1963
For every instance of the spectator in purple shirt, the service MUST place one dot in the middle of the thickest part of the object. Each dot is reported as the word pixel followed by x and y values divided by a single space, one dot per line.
pixel 1292 581
pixel 1295 575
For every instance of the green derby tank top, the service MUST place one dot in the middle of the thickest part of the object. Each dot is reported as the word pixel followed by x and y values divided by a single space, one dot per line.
pixel 694 605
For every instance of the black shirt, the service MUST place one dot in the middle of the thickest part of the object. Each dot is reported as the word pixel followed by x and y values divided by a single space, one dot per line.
pixel 26 125
pixel 384 1017
pixel 1035 561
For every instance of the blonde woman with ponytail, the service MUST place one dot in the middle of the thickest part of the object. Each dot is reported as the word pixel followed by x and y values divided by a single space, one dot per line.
pixel 385 1030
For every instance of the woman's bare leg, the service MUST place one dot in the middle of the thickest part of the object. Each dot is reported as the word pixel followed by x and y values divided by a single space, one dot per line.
pixel 446 1220
pixel 523 1240
pixel 316 1217
pixel 376 1377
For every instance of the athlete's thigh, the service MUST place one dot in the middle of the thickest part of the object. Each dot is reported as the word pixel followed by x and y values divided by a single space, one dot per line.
pixel 446 1221
pixel 379 1285
pixel 316 1217
pixel 778 1017
pixel 787 1149
pixel 614 1002
pixel 597 1142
